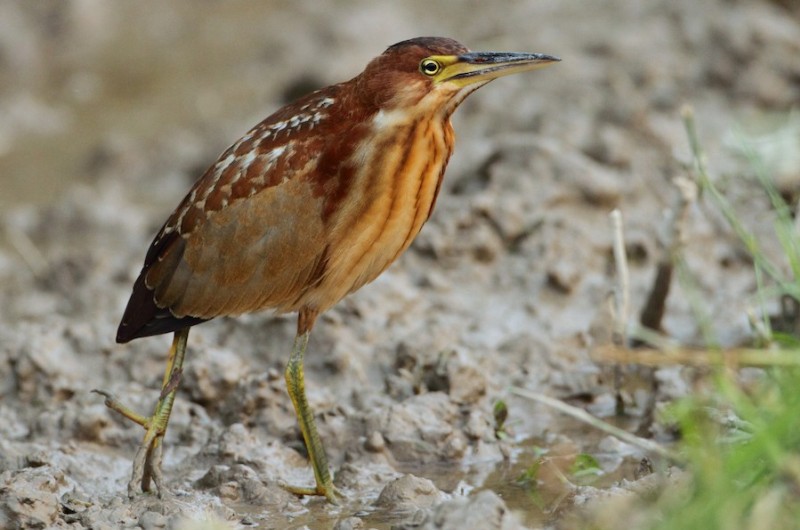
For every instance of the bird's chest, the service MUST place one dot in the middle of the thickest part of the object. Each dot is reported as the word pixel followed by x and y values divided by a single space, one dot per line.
pixel 397 179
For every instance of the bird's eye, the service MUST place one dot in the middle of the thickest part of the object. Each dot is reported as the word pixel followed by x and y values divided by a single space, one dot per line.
pixel 429 67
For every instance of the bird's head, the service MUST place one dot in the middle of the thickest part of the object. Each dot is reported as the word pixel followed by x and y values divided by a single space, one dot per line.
pixel 436 72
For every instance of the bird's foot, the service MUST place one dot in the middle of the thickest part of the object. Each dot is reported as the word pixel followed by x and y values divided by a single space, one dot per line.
pixel 147 473
pixel 329 491
pixel 147 462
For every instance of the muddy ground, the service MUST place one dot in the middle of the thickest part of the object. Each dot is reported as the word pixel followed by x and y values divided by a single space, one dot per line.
pixel 111 110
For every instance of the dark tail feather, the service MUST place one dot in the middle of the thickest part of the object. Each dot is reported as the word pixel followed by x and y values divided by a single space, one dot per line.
pixel 143 318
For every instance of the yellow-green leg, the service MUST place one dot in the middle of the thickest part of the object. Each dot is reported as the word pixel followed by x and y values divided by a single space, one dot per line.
pixel 295 383
pixel 147 462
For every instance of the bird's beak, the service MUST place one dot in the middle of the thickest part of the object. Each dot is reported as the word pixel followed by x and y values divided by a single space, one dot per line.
pixel 474 67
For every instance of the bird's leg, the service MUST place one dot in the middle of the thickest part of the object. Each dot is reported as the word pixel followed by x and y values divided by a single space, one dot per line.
pixel 295 383
pixel 147 462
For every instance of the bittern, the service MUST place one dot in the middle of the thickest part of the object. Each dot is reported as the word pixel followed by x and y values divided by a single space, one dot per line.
pixel 312 203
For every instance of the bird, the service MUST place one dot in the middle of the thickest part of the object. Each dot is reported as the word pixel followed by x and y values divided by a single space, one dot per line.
pixel 311 204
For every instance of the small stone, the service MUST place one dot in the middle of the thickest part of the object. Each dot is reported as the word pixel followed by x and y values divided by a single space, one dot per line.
pixel 351 523
pixel 462 513
pixel 103 525
pixel 479 426
pixel 235 443
pixel 211 379
pixel 30 498
pixel 596 184
pixel 375 442
pixel 229 491
pixel 456 446
pixel 467 382
pixel 563 276
pixel 419 428
pixel 408 494
pixel 150 520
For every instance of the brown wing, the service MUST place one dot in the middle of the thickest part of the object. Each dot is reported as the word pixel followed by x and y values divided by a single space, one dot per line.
pixel 249 235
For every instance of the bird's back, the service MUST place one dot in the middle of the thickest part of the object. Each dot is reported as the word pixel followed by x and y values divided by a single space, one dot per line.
pixel 298 213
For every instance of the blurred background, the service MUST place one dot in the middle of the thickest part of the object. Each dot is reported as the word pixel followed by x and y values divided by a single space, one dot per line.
pixel 90 87
pixel 86 86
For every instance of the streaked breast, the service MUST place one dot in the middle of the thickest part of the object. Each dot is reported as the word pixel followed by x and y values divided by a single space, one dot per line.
pixel 397 179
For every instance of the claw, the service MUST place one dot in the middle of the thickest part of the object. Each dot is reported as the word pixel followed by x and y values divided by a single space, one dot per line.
pixel 114 404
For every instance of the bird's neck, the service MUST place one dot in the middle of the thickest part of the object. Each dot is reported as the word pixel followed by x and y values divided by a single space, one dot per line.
pixel 397 170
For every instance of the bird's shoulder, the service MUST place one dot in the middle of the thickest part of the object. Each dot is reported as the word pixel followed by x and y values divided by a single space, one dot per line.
pixel 276 150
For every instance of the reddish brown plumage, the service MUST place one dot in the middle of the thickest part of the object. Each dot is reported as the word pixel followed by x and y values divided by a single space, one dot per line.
pixel 316 200
pixel 304 208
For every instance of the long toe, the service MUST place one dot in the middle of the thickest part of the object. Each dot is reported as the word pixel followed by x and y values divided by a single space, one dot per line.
pixel 147 470
pixel 154 467
pixel 329 491
pixel 136 485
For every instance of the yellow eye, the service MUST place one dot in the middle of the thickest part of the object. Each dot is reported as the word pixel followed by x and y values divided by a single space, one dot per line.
pixel 429 67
